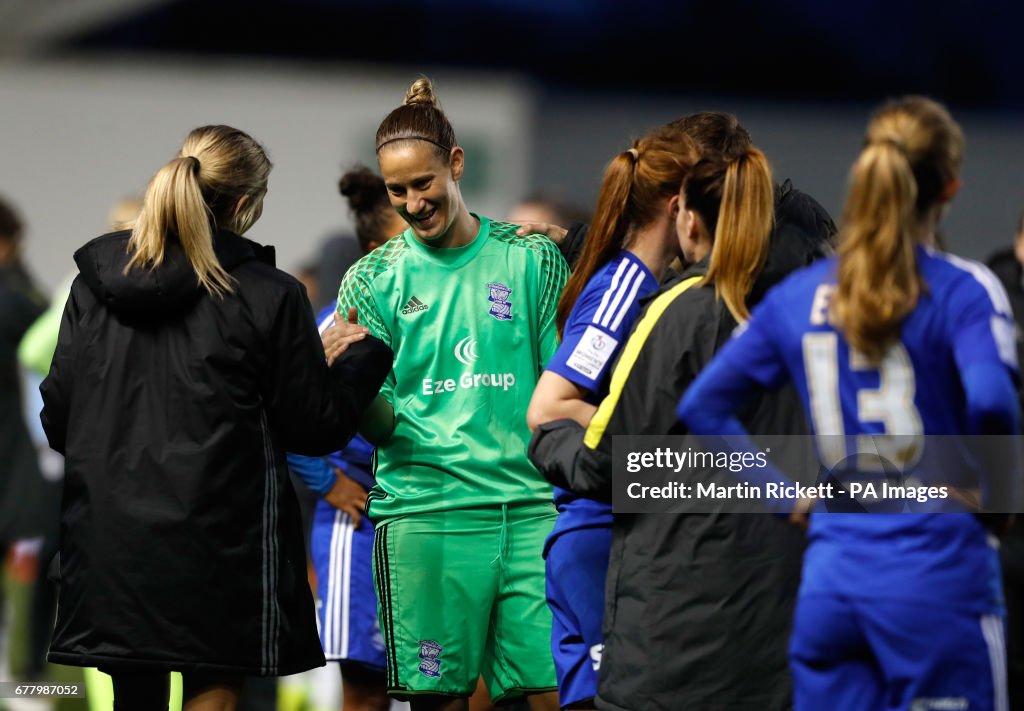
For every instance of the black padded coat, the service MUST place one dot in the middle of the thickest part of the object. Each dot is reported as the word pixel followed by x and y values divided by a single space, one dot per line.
pixel 181 546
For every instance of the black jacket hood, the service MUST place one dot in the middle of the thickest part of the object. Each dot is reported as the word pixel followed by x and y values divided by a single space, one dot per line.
pixel 167 290
pixel 804 232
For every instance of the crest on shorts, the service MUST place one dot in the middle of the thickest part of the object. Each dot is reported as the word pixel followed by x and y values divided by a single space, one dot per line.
pixel 501 307
pixel 430 658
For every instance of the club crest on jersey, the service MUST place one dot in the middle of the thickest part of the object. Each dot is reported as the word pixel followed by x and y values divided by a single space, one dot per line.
pixel 501 307
pixel 430 658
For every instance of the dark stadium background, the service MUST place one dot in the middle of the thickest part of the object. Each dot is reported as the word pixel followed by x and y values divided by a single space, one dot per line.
pixel 803 75
pixel 965 52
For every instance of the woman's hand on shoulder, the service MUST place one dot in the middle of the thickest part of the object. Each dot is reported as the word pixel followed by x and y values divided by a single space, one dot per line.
pixel 553 232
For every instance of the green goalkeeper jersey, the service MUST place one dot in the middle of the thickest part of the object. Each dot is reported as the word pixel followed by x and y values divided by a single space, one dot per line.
pixel 472 328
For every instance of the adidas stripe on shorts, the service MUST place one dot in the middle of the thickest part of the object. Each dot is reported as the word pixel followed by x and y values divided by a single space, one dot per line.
pixel 346 602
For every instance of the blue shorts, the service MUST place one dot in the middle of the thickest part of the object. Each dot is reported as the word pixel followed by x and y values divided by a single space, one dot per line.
pixel 876 655
pixel 346 601
pixel 577 565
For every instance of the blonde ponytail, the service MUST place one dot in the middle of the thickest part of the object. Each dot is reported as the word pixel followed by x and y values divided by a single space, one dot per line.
pixel 913 150
pixel 195 192
pixel 878 283
pixel 735 199
pixel 743 233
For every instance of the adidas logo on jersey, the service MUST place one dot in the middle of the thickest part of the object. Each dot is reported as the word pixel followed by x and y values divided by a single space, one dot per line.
pixel 413 306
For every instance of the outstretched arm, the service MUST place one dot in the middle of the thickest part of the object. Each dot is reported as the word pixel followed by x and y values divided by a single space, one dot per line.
pixel 314 406
pixel 378 421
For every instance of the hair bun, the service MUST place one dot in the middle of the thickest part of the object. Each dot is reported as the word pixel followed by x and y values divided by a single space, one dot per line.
pixel 421 92
pixel 362 187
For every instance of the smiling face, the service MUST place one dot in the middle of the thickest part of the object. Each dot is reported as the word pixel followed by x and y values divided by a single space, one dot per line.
pixel 422 187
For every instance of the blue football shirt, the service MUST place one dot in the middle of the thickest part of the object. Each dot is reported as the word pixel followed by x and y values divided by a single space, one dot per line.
pixel 960 334
pixel 595 331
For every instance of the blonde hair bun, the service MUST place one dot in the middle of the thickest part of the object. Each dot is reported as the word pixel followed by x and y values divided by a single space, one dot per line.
pixel 421 92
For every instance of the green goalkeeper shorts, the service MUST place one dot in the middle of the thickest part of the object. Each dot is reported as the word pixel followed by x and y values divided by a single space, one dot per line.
pixel 461 594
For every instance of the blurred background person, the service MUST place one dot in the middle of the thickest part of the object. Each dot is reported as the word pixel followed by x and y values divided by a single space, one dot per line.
pixel 35 352
pixel 547 213
pixel 21 303
pixel 547 208
pixel 1008 265
pixel 374 218
pixel 342 535
pixel 23 526
pixel 308 275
